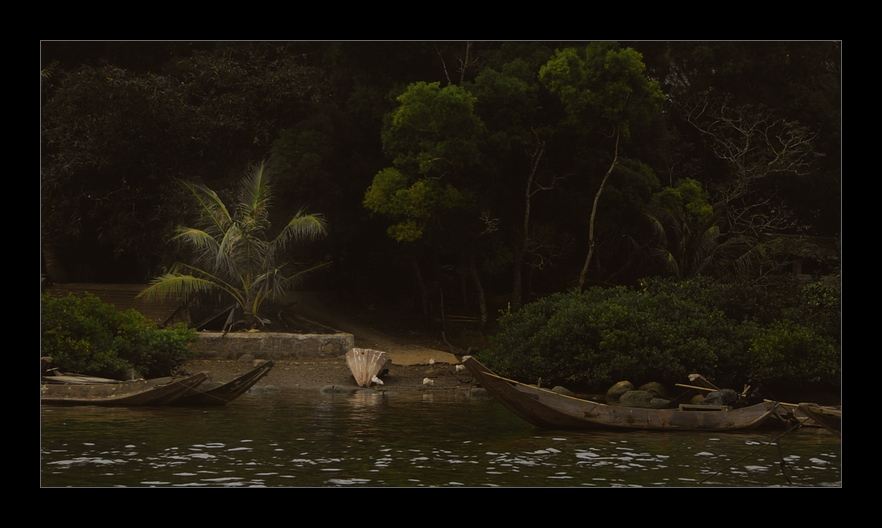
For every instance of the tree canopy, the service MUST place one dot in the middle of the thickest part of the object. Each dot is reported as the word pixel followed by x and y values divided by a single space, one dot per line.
pixel 484 161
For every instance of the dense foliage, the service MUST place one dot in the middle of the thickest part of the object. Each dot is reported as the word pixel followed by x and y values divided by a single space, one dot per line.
pixel 466 176
pixel 87 336
pixel 499 150
pixel 663 332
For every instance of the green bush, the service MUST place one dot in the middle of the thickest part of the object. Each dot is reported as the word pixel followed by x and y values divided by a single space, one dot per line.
pixel 87 336
pixel 601 336
pixel 820 308
pixel 790 354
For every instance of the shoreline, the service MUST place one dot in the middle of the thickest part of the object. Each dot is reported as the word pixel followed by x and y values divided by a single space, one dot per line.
pixel 318 374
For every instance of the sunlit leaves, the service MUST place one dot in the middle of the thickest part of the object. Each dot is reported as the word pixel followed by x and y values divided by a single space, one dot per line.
pixel 432 139
pixel 603 83
pixel 415 204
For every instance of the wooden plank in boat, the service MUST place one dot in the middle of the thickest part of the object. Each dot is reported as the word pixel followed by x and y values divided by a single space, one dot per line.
pixel 694 407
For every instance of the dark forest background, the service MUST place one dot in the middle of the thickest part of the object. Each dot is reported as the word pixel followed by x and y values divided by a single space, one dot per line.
pixel 737 176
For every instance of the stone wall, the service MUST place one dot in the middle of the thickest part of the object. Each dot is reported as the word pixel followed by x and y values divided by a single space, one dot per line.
pixel 269 345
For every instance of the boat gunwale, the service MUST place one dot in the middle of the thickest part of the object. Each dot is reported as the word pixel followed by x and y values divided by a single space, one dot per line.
pixel 229 391
pixel 526 401
pixel 155 391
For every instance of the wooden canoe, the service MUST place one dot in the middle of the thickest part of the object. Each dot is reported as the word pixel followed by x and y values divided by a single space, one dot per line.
pixel 827 416
pixel 547 409
pixel 226 392
pixel 157 391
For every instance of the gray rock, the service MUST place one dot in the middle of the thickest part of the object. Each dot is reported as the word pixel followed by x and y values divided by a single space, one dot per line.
pixel 636 397
pixel 720 397
pixel 656 388
pixel 615 392
pixel 643 398
pixel 337 389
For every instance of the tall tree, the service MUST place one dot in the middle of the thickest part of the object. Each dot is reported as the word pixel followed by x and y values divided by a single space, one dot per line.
pixel 432 140
pixel 604 87
pixel 508 100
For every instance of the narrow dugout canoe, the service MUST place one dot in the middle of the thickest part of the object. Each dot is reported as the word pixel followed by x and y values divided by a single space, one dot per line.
pixel 546 409
pixel 226 392
pixel 827 416
pixel 157 391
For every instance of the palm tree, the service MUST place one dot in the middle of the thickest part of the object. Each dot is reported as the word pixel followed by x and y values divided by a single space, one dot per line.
pixel 232 254
pixel 689 241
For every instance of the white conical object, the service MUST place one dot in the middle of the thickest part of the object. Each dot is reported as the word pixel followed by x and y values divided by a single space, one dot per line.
pixel 428 381
pixel 365 364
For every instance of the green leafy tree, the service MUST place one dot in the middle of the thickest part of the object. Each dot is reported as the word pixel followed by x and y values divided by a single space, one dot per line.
pixel 508 100
pixel 233 252
pixel 685 228
pixel 432 139
pixel 603 87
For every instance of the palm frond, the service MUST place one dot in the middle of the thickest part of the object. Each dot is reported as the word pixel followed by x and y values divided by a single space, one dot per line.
pixel 232 253
pixel 304 227
pixel 214 213
pixel 254 198
pixel 176 286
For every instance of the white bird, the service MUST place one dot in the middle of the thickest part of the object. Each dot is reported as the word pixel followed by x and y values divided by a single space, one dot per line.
pixel 431 362
pixel 377 380
pixel 428 381
pixel 460 368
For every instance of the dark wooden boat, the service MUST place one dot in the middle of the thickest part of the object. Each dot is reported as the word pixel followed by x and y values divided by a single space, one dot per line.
pixel 827 416
pixel 547 409
pixel 80 390
pixel 226 392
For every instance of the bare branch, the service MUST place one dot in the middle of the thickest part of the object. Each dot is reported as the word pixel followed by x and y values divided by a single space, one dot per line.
pixel 755 145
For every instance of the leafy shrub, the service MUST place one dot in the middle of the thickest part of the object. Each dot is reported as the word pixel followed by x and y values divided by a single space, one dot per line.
pixel 757 301
pixel 820 308
pixel 85 335
pixel 601 336
pixel 788 354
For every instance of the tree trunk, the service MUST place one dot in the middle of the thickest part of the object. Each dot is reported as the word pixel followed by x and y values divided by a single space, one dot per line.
pixel 517 283
pixel 421 286
pixel 54 268
pixel 482 301
pixel 583 275
pixel 517 287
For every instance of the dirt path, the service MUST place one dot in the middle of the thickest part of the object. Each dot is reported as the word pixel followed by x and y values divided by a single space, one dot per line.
pixel 412 349
pixel 419 361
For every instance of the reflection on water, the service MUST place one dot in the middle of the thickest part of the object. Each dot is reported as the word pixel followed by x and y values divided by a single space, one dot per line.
pixel 430 439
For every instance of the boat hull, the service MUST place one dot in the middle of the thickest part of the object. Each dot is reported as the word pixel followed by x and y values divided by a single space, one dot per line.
pixel 157 391
pixel 227 392
pixel 547 409
pixel 826 416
